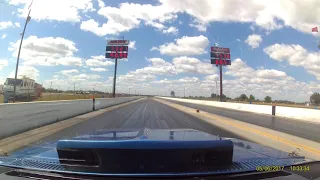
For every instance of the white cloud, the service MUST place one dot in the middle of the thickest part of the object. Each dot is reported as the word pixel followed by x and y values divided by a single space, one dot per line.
pixel 5 24
pixel 254 40
pixel 47 10
pixel 158 67
pixel 69 61
pixel 2 80
pixel 132 45
pixel 182 81
pixel 200 26
pixel 262 82
pixel 154 49
pixel 270 74
pixel 27 71
pixel 17 24
pixel 185 46
pixel 129 16
pixel 189 80
pixel 161 67
pixel 192 65
pixel 3 36
pixel 269 15
pixel 97 61
pixel 157 25
pixel 212 78
pixel 101 3
pixel 84 77
pixel 47 51
pixel 98 69
pixel 171 29
pixel 239 68
pixel 69 72
pixel 296 55
pixel 113 27
pixel 3 63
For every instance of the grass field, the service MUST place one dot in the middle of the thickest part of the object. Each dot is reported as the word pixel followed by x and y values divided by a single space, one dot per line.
pixel 261 103
pixel 63 96
pixel 59 96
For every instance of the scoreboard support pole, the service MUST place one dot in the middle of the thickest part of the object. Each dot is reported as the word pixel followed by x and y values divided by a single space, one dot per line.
pixel 115 78
pixel 221 93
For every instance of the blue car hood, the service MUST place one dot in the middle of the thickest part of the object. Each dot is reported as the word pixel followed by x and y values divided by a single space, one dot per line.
pixel 246 155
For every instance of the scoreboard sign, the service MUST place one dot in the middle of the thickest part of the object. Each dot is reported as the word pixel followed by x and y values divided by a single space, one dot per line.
pixel 117 49
pixel 119 55
pixel 220 56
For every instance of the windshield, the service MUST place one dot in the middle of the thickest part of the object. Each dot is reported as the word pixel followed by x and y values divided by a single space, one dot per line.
pixel 246 72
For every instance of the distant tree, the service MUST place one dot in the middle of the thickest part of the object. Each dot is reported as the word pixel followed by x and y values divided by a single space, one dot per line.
pixel 173 94
pixel 213 95
pixel 315 98
pixel 243 97
pixel 224 96
pixel 251 98
pixel 267 99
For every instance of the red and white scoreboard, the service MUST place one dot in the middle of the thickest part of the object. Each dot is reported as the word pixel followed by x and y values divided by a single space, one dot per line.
pixel 117 49
pixel 220 56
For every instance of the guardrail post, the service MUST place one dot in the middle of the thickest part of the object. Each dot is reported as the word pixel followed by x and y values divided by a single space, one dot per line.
pixel 94 103
pixel 273 110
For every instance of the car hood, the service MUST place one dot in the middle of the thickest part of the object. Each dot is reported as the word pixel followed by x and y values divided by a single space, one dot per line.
pixel 246 155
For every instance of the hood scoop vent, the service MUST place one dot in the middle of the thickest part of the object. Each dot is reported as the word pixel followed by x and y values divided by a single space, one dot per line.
pixel 145 156
pixel 78 157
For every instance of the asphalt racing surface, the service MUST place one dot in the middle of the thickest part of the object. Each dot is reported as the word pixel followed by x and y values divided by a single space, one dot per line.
pixel 146 113
pixel 290 126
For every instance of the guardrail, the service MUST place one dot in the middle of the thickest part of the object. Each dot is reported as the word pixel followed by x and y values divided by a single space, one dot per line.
pixel 16 118
pixel 303 114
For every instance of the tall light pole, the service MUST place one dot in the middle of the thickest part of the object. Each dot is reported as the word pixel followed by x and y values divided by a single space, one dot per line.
pixel 115 78
pixel 17 65
pixel 50 90
pixel 217 90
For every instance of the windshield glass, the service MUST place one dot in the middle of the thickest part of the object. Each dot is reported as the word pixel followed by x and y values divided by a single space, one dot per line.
pixel 246 72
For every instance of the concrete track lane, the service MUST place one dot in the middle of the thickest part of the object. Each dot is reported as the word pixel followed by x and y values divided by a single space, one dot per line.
pixel 294 127
pixel 142 114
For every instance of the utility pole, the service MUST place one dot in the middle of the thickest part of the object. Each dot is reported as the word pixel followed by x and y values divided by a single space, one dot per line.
pixel 129 91
pixel 221 93
pixel 50 90
pixel 184 92
pixel 74 88
pixel 59 92
pixel 114 79
pixel 217 90
pixel 17 65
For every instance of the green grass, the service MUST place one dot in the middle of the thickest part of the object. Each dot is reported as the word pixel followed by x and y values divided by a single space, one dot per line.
pixel 54 97
pixel 61 96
